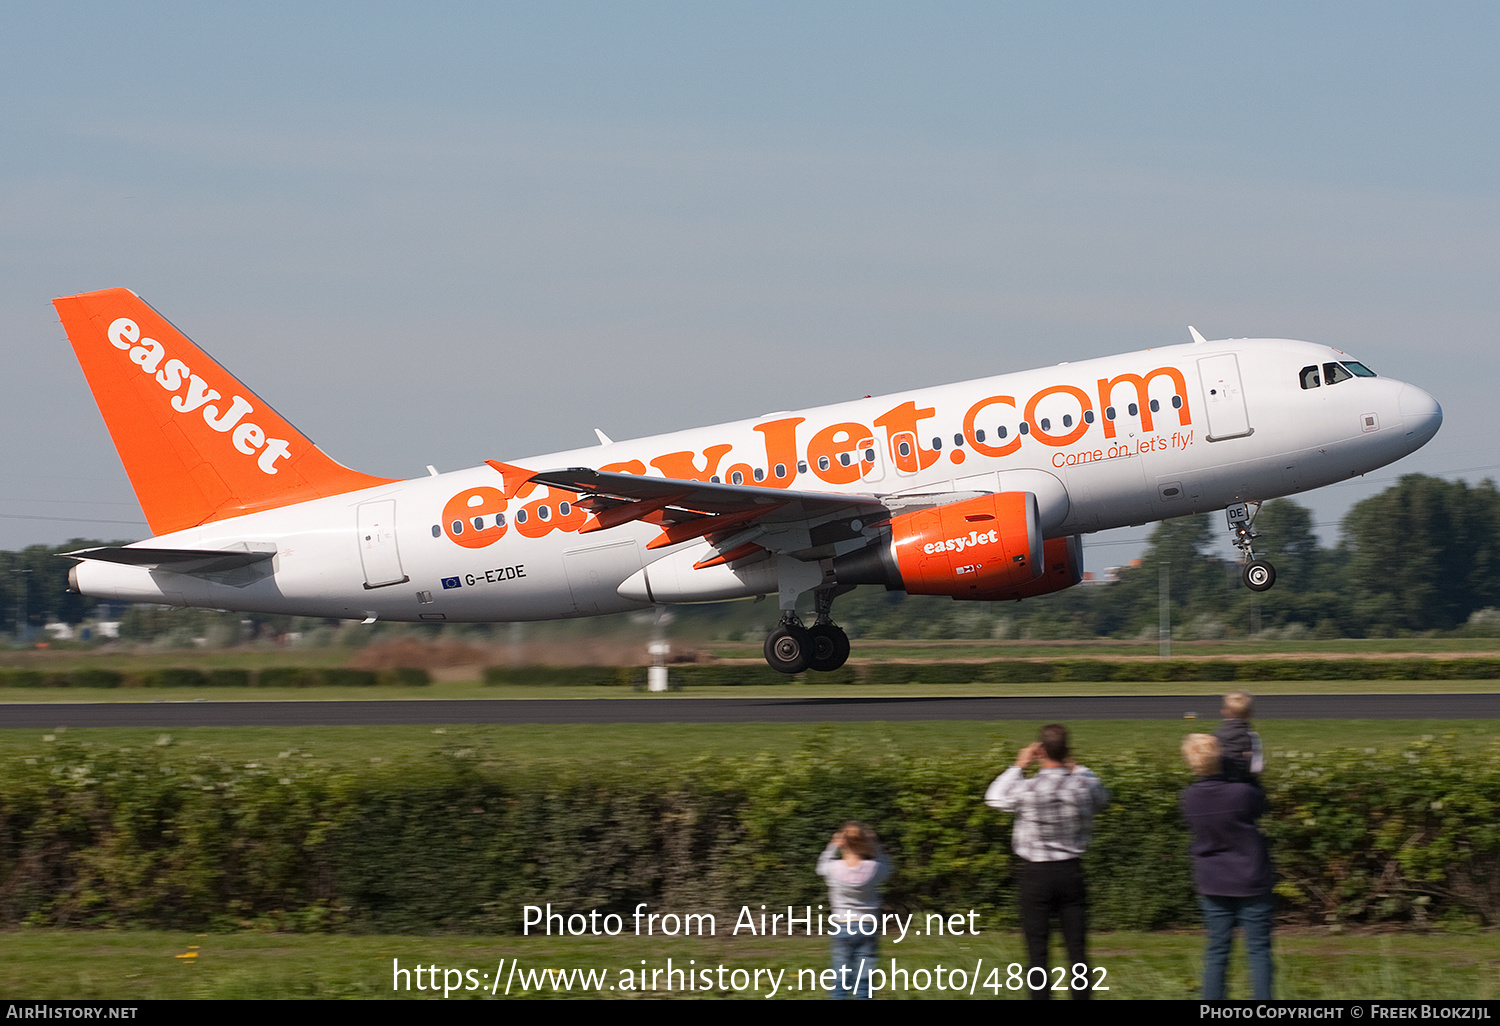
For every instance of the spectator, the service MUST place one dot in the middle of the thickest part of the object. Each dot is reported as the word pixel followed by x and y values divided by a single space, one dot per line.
pixel 1231 866
pixel 1054 823
pixel 854 866
pixel 1239 747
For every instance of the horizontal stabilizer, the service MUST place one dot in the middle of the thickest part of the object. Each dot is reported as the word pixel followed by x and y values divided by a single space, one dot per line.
pixel 182 561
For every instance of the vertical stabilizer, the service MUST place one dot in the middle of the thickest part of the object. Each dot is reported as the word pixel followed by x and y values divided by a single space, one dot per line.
pixel 197 444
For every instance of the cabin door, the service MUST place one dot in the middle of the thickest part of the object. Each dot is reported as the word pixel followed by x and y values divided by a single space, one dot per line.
pixel 377 544
pixel 1224 397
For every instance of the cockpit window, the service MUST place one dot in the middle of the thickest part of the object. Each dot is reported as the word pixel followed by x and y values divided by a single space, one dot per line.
pixel 1309 377
pixel 1359 370
pixel 1335 373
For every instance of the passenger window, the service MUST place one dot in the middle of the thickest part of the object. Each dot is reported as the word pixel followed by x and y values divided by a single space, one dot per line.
pixel 563 509
pixel 1309 377
pixel 1335 373
pixel 1088 416
pixel 760 475
pixel 1134 409
pixel 437 531
pixel 520 516
pixel 937 443
pixel 1177 402
pixel 1000 431
pixel 958 440
pixel 1067 420
pixel 1155 406
pixel 544 512
pixel 979 434
pixel 1046 423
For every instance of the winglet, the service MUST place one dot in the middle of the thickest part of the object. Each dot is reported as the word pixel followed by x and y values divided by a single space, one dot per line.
pixel 513 477
pixel 1197 338
pixel 197 444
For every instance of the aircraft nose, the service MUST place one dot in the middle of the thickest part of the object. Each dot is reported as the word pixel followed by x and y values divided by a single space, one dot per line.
pixel 1420 415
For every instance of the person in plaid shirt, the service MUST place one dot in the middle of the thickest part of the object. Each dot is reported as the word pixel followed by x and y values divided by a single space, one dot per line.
pixel 1054 823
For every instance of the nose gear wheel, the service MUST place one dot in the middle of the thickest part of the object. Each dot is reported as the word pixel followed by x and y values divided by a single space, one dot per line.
pixel 1257 574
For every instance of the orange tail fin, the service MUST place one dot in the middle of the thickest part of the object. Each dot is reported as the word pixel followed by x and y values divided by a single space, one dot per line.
pixel 198 445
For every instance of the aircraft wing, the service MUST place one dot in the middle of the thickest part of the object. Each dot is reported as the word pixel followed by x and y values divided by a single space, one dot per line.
pixel 707 497
pixel 739 520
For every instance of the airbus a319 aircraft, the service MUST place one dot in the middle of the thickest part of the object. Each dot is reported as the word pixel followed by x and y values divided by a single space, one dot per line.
pixel 979 490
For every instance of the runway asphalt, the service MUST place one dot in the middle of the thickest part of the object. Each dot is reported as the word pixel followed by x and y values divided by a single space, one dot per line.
pixel 676 709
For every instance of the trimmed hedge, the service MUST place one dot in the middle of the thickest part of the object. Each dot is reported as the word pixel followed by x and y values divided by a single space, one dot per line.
pixel 1001 671
pixel 96 836
pixel 551 676
pixel 185 677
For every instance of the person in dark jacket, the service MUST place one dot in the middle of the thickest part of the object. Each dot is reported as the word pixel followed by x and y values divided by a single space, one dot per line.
pixel 1232 869
pixel 1240 755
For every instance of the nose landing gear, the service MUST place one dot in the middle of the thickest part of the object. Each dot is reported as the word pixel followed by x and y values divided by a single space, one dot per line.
pixel 1257 574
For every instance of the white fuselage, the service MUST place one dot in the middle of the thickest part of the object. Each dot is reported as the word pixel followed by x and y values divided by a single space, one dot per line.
pixel 1231 423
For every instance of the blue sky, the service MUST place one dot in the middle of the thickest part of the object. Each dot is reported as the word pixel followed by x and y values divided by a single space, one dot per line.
pixel 441 233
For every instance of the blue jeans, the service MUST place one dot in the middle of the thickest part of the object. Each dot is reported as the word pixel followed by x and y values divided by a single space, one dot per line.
pixel 848 950
pixel 1220 917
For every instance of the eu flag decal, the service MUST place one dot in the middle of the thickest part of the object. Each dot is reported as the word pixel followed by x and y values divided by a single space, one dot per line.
pixel 451 582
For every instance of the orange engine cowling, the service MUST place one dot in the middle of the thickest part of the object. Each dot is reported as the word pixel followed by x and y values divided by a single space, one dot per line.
pixel 1062 567
pixel 966 549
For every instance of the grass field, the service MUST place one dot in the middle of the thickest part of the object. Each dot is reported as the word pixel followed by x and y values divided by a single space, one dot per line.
pixel 656 749
pixel 126 965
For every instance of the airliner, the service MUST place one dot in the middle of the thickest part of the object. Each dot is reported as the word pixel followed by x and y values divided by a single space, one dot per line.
pixel 979 490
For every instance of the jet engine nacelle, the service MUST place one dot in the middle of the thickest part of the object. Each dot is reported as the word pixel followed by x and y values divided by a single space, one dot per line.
pixel 1062 567
pixel 967 550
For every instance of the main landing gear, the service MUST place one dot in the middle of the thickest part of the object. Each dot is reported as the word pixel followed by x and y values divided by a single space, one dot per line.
pixel 792 648
pixel 1257 575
